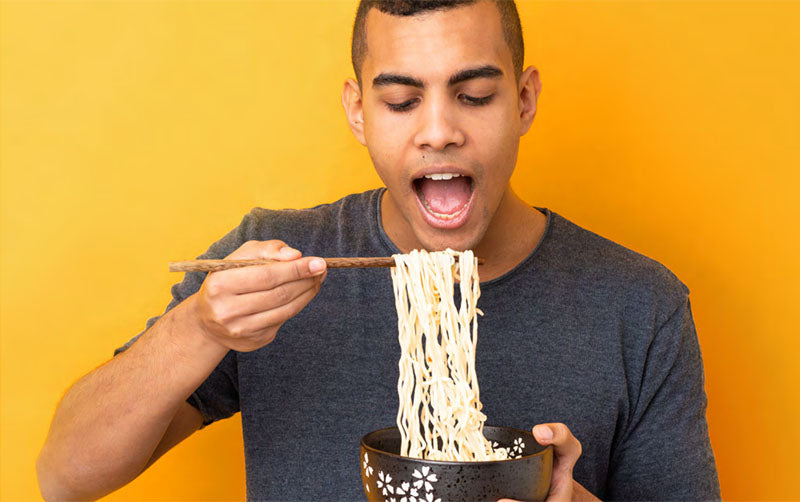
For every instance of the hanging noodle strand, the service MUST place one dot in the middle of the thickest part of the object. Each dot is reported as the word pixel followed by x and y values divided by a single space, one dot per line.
pixel 439 416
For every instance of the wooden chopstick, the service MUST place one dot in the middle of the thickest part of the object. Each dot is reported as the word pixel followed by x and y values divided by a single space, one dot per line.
pixel 217 265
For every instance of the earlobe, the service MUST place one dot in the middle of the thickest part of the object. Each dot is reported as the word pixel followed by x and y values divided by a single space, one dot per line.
pixel 353 108
pixel 530 86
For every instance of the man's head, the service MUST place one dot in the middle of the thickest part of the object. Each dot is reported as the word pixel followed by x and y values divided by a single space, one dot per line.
pixel 441 106
pixel 509 19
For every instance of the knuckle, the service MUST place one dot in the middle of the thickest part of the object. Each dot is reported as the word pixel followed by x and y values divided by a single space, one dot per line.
pixel 247 250
pixel 219 313
pixel 276 243
pixel 269 281
pixel 213 288
pixel 282 294
pixel 272 321
pixel 300 268
pixel 271 248
pixel 576 442
pixel 562 431
pixel 248 245
pixel 236 332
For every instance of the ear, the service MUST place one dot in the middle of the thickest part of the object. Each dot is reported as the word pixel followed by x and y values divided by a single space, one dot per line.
pixel 353 108
pixel 529 88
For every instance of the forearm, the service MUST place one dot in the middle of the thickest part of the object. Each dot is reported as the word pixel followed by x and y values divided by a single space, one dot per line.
pixel 109 423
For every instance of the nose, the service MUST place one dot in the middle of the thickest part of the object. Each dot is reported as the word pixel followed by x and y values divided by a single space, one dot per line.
pixel 438 126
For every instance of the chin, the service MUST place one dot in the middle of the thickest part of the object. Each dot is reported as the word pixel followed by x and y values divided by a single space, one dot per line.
pixel 454 242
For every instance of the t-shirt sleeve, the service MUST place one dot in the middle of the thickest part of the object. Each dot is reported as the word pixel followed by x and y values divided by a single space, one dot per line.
pixel 665 452
pixel 218 396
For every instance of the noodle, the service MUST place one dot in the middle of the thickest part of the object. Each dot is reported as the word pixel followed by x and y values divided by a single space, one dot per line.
pixel 439 416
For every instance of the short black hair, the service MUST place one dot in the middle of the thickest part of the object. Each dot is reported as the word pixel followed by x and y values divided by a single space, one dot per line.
pixel 509 20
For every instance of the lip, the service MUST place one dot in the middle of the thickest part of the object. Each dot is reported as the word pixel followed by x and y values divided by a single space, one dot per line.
pixel 440 170
pixel 461 216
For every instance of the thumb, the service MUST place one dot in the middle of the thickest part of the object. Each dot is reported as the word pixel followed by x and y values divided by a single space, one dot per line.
pixel 566 451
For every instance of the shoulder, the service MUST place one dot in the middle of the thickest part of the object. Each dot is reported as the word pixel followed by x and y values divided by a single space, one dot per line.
pixel 324 228
pixel 310 223
pixel 612 272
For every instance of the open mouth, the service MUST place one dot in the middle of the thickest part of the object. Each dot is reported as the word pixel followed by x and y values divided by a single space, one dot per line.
pixel 445 198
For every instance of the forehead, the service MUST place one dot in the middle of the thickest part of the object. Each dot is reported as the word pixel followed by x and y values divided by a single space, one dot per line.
pixel 434 45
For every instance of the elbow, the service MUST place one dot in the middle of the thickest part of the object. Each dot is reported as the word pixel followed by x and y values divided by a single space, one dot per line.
pixel 69 477
pixel 55 481
pixel 58 481
pixel 50 485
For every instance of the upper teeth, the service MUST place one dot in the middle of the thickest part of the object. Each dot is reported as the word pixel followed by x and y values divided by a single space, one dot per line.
pixel 442 176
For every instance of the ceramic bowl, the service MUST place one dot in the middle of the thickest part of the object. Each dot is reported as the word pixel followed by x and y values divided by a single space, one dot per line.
pixel 387 476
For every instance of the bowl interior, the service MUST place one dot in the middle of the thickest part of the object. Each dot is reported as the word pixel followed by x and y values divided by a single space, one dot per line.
pixel 520 443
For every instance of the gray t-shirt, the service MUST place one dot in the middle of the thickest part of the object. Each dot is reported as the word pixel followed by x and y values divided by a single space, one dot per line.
pixel 583 331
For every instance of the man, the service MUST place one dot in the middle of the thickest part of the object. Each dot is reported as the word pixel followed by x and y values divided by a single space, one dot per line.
pixel 588 340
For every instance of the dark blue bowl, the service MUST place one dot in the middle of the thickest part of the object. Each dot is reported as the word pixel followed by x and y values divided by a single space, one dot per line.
pixel 388 476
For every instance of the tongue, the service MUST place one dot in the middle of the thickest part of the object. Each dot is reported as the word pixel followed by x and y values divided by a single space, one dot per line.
pixel 446 196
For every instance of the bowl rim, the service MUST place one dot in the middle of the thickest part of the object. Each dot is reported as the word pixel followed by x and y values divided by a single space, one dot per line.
pixel 543 451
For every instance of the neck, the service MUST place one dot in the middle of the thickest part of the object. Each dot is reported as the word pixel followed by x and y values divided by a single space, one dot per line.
pixel 512 234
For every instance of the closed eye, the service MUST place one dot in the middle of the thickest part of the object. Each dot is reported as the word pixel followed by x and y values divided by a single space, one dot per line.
pixel 474 101
pixel 402 107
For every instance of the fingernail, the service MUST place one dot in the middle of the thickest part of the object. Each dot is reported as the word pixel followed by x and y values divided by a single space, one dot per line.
pixel 543 432
pixel 287 251
pixel 316 265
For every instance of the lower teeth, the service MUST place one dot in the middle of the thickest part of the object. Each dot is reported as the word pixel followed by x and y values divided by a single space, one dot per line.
pixel 441 216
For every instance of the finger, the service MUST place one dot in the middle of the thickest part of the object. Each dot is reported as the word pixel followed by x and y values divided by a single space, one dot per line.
pixel 566 451
pixel 264 277
pixel 275 274
pixel 272 250
pixel 566 446
pixel 262 301
pixel 277 316
pixel 225 281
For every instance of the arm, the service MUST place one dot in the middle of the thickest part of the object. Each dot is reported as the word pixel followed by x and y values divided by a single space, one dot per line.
pixel 117 420
pixel 665 452
pixel 109 423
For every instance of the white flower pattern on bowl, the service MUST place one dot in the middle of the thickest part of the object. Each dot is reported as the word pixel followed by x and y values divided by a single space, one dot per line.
pixel 367 467
pixel 383 482
pixel 424 478
pixel 421 478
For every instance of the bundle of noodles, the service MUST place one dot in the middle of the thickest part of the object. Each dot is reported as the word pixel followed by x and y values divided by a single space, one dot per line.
pixel 439 416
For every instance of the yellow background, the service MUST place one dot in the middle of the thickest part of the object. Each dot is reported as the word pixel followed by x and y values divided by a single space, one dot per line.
pixel 138 132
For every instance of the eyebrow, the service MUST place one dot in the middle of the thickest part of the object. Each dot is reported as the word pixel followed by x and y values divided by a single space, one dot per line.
pixel 385 79
pixel 485 71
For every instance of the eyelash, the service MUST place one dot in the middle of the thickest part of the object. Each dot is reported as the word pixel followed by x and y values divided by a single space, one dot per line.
pixel 401 107
pixel 472 101
pixel 468 100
